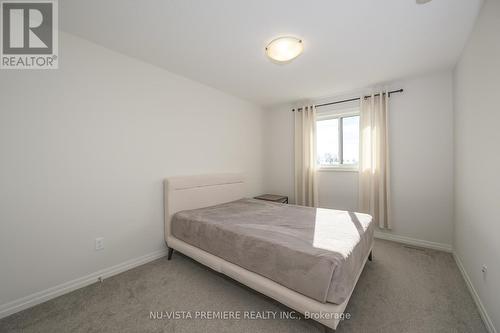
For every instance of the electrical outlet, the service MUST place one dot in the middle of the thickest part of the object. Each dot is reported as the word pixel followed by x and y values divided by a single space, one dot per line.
pixel 99 243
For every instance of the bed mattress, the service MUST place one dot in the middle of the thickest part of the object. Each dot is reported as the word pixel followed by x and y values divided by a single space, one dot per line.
pixel 316 252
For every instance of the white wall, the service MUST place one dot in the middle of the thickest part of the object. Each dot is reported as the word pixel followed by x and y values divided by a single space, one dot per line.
pixel 422 155
pixel 84 150
pixel 477 159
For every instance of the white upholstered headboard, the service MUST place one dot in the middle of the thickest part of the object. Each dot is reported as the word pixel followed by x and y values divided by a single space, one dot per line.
pixel 191 192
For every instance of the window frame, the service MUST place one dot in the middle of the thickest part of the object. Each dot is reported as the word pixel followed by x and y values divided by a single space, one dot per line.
pixel 340 115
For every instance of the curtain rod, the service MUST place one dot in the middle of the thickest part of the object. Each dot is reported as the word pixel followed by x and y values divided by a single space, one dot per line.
pixel 352 99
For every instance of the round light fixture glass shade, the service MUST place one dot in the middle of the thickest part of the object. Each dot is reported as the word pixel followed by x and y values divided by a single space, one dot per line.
pixel 284 49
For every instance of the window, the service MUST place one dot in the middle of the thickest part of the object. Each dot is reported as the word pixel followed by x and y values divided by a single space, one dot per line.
pixel 337 136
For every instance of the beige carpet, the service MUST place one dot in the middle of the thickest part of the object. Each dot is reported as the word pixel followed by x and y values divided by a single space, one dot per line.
pixel 403 290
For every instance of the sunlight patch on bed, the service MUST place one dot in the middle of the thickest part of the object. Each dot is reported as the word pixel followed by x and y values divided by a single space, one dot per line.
pixel 335 230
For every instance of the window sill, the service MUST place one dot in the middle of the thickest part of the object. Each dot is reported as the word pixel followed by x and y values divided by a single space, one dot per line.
pixel 339 169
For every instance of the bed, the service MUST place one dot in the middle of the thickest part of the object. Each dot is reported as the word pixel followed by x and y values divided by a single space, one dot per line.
pixel 307 259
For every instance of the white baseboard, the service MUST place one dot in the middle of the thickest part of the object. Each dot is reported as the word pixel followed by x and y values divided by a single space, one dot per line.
pixel 50 293
pixel 482 310
pixel 414 241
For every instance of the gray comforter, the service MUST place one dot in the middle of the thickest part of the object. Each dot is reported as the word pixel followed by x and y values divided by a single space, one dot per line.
pixel 316 252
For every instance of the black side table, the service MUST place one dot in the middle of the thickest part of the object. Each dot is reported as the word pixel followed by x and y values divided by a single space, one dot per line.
pixel 273 197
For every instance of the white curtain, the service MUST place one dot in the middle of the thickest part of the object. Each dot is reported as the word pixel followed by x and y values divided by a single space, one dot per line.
pixel 374 180
pixel 306 188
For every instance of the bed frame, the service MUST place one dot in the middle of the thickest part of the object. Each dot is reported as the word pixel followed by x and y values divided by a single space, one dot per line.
pixel 191 192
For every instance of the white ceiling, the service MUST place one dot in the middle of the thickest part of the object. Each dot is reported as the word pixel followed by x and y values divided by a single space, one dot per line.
pixel 349 44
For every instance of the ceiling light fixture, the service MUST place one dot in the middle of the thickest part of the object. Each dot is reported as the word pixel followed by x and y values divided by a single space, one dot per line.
pixel 284 49
pixel 421 2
